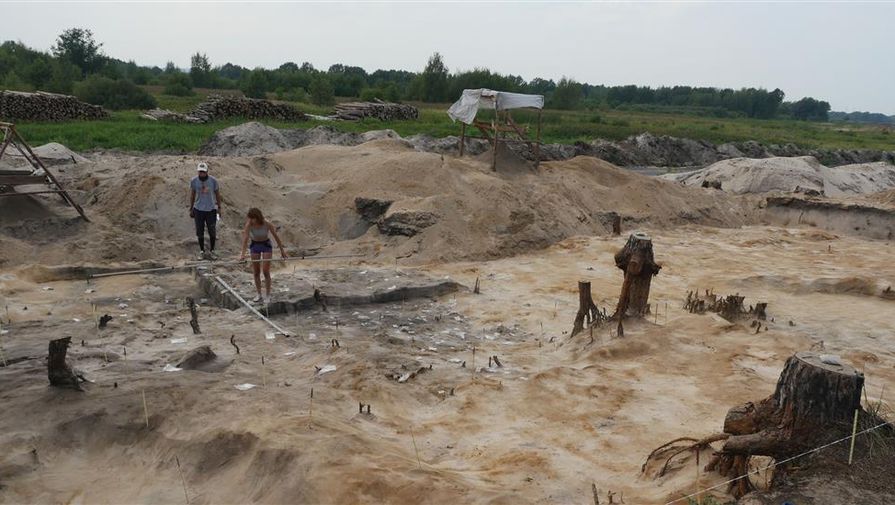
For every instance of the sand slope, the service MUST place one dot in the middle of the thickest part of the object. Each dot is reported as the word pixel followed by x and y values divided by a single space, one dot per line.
pixel 139 204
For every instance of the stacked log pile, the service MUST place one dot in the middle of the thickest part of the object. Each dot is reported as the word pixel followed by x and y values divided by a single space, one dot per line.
pixel 383 111
pixel 217 107
pixel 41 106
pixel 223 107
pixel 170 116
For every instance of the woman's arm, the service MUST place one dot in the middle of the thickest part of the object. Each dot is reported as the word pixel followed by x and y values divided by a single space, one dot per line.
pixel 245 241
pixel 273 231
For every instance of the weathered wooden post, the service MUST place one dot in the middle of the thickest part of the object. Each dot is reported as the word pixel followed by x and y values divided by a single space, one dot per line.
pixel 635 259
pixel 587 309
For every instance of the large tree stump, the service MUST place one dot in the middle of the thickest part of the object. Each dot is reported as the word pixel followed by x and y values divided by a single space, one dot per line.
pixel 813 404
pixel 58 371
pixel 635 259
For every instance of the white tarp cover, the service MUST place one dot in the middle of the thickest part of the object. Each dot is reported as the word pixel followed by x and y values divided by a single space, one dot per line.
pixel 472 100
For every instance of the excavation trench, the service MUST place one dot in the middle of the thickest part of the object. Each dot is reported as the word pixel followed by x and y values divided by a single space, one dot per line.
pixel 837 217
pixel 326 288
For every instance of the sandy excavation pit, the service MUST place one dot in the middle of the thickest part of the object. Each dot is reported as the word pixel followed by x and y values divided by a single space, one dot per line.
pixel 548 419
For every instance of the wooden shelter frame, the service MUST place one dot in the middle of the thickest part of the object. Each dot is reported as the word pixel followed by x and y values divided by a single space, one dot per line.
pixel 503 123
pixel 9 179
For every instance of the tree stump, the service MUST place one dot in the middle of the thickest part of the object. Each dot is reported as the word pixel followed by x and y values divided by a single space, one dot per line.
pixel 616 224
pixel 58 371
pixel 814 403
pixel 587 309
pixel 635 259
pixel 194 315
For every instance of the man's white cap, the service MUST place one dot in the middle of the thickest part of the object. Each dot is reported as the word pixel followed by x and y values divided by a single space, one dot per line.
pixel 202 167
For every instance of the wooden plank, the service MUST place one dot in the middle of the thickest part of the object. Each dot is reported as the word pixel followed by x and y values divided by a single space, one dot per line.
pixel 24 193
pixel 19 180
pixel 253 309
pixel 16 172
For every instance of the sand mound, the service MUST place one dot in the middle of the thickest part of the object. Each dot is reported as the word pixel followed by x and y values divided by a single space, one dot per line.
pixel 247 139
pixel 793 175
pixel 438 208
pixel 51 154
pixel 251 139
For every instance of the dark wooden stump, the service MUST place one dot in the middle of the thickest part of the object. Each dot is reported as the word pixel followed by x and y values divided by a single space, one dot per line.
pixel 814 403
pixel 58 371
pixel 194 315
pixel 587 309
pixel 635 259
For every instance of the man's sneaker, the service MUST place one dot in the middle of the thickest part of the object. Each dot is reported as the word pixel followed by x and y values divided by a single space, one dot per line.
pixel 202 256
pixel 267 300
pixel 258 299
pixel 211 256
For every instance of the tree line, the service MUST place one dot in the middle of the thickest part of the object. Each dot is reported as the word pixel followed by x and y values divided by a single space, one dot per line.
pixel 76 64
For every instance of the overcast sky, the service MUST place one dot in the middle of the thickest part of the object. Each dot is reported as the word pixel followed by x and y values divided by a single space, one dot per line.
pixel 840 52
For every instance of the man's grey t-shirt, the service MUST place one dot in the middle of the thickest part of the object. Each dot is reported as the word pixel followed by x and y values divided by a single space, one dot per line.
pixel 205 190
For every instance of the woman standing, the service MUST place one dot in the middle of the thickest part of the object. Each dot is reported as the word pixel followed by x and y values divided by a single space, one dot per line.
pixel 258 230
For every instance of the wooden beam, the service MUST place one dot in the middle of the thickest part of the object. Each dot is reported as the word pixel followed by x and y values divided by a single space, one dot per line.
pixel 20 180
pixel 462 137
pixel 24 193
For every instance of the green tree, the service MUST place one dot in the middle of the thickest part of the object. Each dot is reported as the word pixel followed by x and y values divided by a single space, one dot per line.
pixel 39 73
pixel 433 82
pixel 200 71
pixel 12 81
pixel 178 84
pixel 256 84
pixel 113 94
pixel 321 90
pixel 567 94
pixel 78 46
pixel 65 74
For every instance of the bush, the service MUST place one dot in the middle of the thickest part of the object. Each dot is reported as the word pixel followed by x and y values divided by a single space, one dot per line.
pixel 292 95
pixel 113 94
pixel 178 85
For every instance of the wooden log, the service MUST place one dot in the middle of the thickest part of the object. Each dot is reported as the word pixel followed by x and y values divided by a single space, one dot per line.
pixel 58 371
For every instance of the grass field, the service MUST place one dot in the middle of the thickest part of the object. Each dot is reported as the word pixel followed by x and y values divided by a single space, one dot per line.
pixel 126 130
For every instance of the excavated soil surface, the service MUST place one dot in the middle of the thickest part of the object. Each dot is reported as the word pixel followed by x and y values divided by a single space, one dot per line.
pixel 438 395
pixel 556 416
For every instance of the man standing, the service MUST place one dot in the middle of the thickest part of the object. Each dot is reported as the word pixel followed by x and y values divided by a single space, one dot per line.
pixel 205 203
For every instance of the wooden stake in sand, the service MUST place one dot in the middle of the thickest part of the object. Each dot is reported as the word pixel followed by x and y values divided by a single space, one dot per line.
pixel 186 495
pixel 854 430
pixel 263 374
pixel 2 354
pixel 145 408
pixel 311 408
pixel 473 362
pixel 413 438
